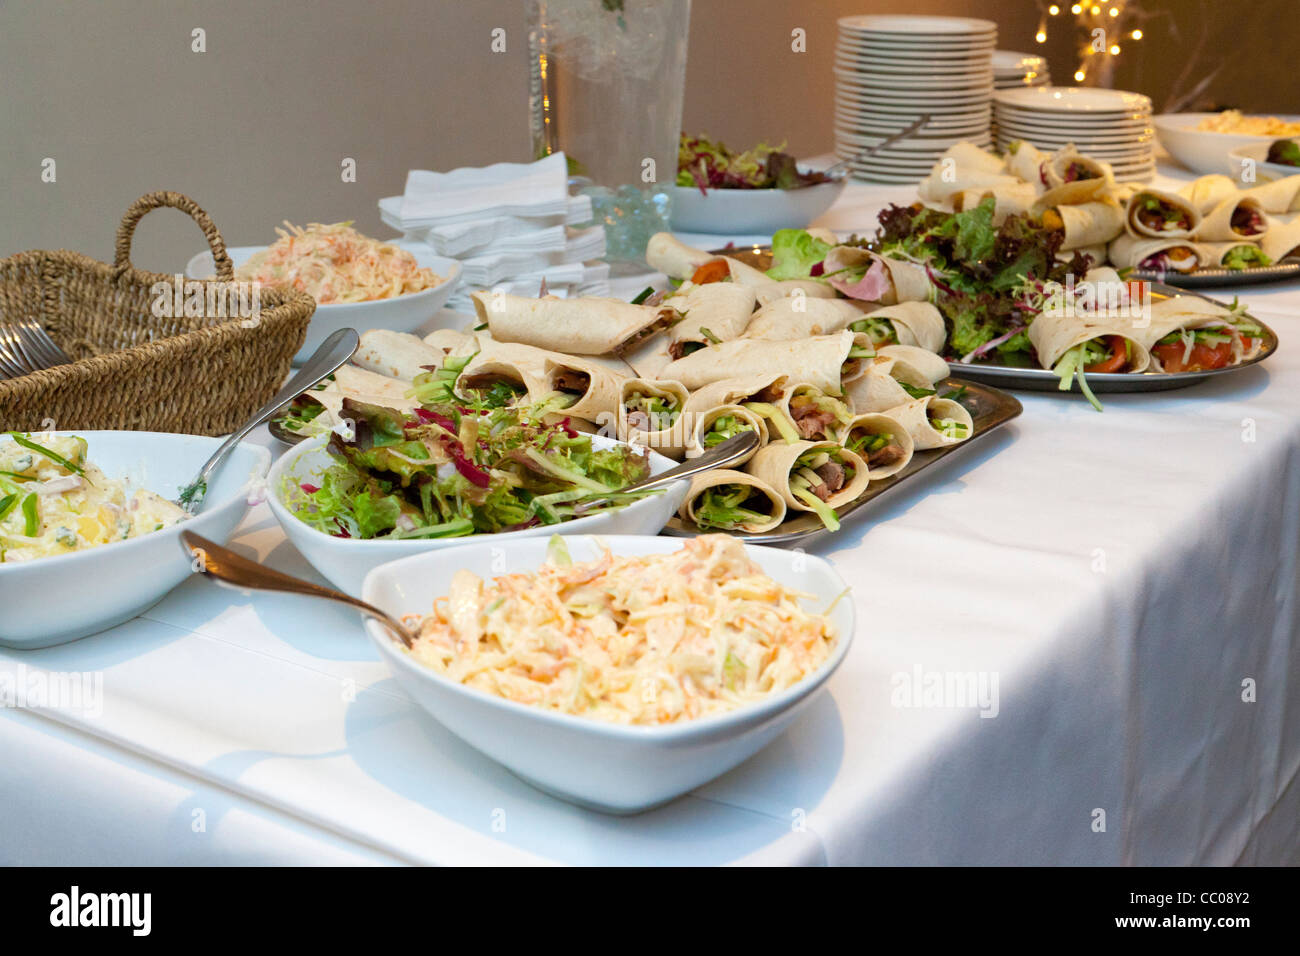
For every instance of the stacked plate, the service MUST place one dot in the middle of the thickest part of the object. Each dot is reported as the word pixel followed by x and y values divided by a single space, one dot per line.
pixel 1012 70
pixel 1110 125
pixel 890 70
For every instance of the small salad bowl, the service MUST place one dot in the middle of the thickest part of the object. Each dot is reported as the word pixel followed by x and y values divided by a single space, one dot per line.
pixel 750 211
pixel 346 561
pixel 609 767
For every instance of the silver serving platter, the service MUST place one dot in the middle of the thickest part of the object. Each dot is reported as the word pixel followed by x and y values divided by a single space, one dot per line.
pixel 1217 278
pixel 991 408
pixel 1045 380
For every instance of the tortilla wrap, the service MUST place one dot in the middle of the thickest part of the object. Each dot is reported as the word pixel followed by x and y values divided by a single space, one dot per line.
pixel 674 258
pixel 773 462
pixel 1054 170
pixel 650 358
pixel 943 183
pixel 1008 200
pixel 584 326
pixel 1026 160
pixel 1053 333
pixel 925 361
pixel 1206 192
pixel 1181 312
pixel 699 424
pixel 1090 223
pixel 919 324
pixel 743 390
pixel 774 505
pixel 908 280
pixel 789 288
pixel 724 308
pixel 450 341
pixel 877 423
pixel 877 390
pixel 797 317
pixel 915 415
pixel 816 360
pixel 670 441
pixel 1278 197
pixel 396 354
pixel 1215 252
pixel 1217 224
pixel 482 372
pixel 1076 193
pixel 1095 253
pixel 333 402
pixel 352 380
pixel 1282 240
pixel 1139 230
pixel 1126 252
pixel 815 422
pixel 598 401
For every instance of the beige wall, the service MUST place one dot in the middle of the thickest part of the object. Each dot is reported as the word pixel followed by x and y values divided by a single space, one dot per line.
pixel 255 128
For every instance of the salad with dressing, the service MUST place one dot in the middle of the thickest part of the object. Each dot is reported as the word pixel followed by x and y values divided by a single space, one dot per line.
pixel 53 501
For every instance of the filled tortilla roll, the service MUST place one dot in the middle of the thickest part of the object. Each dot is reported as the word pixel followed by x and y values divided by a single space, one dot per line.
pixel 674 258
pixel 715 312
pixel 1100 342
pixel 925 361
pixel 650 413
pixel 764 396
pixel 1232 220
pixel 1188 333
pixel 1026 161
pixel 773 291
pixel 816 415
pixel 1241 254
pixel 812 476
pixel 354 380
pixel 962 167
pixel 879 440
pixel 862 274
pixel 1206 192
pixel 333 404
pixel 592 389
pixel 1008 200
pixel 919 324
pixel 826 361
pixel 728 500
pixel 396 354
pixel 933 422
pixel 885 385
pixel 585 326
pixel 797 317
pixel 715 425
pixel 500 381
pixel 1155 214
pixel 1076 193
pixel 1094 253
pixel 1280 196
pixel 1085 224
pixel 1159 255
pixel 450 341
pixel 1283 242
pixel 1067 166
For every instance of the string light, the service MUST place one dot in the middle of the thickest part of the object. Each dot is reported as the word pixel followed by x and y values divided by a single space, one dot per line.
pixel 1092 16
pixel 1114 49
pixel 1040 36
pixel 1079 76
pixel 1053 9
pixel 1136 34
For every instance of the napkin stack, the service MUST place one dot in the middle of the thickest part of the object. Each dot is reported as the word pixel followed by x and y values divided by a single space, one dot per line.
pixel 513 226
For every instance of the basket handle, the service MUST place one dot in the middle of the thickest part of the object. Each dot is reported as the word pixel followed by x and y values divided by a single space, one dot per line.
pixel 150 201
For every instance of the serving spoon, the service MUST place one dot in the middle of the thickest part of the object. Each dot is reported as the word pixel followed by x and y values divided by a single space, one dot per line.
pixel 333 353
pixel 719 456
pixel 228 568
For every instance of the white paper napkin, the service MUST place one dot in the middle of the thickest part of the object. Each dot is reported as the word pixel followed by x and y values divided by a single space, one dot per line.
pixel 502 189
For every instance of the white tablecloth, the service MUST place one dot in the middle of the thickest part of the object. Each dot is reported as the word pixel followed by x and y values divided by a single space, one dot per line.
pixel 1125 578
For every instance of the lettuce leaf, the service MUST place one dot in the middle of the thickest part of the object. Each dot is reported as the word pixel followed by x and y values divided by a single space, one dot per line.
pixel 794 253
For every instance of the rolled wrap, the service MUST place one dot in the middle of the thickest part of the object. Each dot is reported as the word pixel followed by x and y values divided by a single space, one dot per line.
pixel 918 324
pixel 674 258
pixel 1126 252
pixel 1026 161
pixel 352 380
pixel 699 425
pixel 1054 333
pixel 1055 172
pixel 877 423
pixel 670 441
pixel 724 308
pixel 795 317
pixel 774 504
pixel 599 400
pixel 817 360
pixel 773 462
pixel 1206 192
pixel 880 387
pixel 1217 224
pixel 1282 241
pixel 915 417
pixel 1278 197
pixel 1008 200
pixel 1090 223
pixel 1140 230
pixel 396 354
pixel 934 368
pixel 1216 252
pixel 741 390
pixel 908 281
pixel 585 326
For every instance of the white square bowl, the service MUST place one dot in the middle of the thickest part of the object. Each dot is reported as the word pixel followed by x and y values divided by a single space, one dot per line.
pixel 603 766
pixel 346 561
pixel 58 599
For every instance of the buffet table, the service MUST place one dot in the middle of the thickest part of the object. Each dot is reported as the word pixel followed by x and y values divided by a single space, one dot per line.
pixel 1119 586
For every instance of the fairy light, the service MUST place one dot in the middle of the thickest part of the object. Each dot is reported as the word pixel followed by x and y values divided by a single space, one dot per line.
pixel 1136 34
pixel 1053 9
pixel 1114 49
pixel 1041 36
pixel 1078 76
pixel 1116 19
pixel 1076 9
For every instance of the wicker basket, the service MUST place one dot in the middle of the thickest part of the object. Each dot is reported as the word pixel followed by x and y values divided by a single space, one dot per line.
pixel 203 374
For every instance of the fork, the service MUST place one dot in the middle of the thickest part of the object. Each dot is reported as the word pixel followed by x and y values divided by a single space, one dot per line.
pixel 25 347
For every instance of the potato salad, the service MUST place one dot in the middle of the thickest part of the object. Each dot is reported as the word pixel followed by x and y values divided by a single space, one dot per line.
pixel 53 501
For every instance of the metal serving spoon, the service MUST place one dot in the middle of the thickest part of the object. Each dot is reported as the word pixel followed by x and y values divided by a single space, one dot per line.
pixel 719 456
pixel 333 352
pixel 225 566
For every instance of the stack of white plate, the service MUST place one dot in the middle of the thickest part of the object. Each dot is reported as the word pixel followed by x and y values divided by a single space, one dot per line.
pixel 1110 125
pixel 1012 70
pixel 890 70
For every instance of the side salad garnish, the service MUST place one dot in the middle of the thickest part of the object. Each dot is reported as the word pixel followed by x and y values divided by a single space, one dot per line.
pixel 709 164
pixel 454 469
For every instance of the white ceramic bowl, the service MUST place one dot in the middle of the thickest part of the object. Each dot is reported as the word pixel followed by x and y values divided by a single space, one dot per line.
pixel 59 599
pixel 1204 152
pixel 750 211
pixel 347 561
pixel 1256 152
pixel 405 313
pixel 602 766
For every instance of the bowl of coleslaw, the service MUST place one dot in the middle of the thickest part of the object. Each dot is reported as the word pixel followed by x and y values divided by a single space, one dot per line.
pixel 706 669
pixel 89 539
pixel 358 282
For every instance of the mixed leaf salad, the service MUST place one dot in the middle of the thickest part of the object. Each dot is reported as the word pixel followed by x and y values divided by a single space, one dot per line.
pixel 709 164
pixel 455 468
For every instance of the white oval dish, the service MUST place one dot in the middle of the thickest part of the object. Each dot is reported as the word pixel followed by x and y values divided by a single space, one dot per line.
pixel 744 211
pixel 347 561
pixel 608 767
pixel 1256 153
pixel 1201 150
pixel 58 599
pixel 405 313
